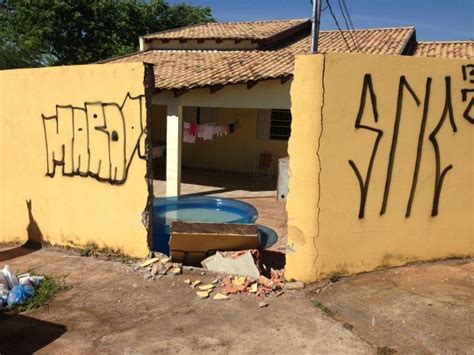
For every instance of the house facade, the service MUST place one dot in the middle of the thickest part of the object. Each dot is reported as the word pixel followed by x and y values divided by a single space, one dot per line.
pixel 240 73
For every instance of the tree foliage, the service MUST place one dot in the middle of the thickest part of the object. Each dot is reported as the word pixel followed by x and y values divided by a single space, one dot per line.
pixel 58 32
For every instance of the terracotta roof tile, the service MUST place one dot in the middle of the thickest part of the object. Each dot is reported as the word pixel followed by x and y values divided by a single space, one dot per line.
pixel 256 30
pixel 190 69
pixel 187 69
pixel 452 50
pixel 387 41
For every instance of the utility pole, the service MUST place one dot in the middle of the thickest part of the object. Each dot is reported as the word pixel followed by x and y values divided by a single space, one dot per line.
pixel 316 19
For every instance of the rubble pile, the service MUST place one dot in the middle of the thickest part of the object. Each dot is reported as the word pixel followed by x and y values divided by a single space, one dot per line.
pixel 242 273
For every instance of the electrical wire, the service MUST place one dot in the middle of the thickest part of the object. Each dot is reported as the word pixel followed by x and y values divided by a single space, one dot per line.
pixel 337 24
pixel 347 24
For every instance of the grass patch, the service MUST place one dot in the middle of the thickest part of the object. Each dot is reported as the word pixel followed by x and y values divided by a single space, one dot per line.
pixel 326 310
pixel 44 294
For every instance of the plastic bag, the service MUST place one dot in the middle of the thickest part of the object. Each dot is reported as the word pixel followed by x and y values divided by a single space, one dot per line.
pixel 3 294
pixel 10 277
pixel 20 294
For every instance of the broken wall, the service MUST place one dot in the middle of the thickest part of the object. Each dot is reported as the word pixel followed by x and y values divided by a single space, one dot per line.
pixel 381 163
pixel 73 154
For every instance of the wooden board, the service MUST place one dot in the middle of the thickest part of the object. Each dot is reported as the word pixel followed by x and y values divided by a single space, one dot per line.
pixel 190 243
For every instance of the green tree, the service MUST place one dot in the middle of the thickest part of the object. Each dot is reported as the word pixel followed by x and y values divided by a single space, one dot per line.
pixel 59 32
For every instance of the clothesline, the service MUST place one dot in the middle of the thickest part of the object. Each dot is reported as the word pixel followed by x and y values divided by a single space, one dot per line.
pixel 207 131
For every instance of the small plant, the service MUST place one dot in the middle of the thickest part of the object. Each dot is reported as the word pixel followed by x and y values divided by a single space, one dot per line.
pixel 326 310
pixel 45 292
pixel 385 350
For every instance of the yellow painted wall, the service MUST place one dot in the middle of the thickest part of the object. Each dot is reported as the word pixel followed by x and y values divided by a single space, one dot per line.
pixel 237 151
pixel 99 192
pixel 327 231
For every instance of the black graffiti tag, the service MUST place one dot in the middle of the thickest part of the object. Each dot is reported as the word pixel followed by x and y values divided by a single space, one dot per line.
pixel 98 140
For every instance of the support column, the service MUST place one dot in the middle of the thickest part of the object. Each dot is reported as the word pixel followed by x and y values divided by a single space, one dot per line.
pixel 174 142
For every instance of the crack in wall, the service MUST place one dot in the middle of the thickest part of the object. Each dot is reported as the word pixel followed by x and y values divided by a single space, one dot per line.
pixel 149 84
pixel 323 92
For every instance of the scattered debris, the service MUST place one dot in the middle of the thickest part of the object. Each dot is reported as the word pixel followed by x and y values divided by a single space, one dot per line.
pixel 149 262
pixel 297 285
pixel 176 270
pixel 196 283
pixel 235 263
pixel 202 294
pixel 220 297
pixel 263 304
pixel 208 287
pixel 187 282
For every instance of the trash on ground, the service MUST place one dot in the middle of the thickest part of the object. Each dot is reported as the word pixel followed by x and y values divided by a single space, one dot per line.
pixel 15 290
pixel 242 263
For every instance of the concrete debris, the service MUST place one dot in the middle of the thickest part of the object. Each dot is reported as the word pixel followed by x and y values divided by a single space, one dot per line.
pixel 263 304
pixel 202 294
pixel 297 285
pixel 149 262
pixel 176 270
pixel 187 282
pixel 220 297
pixel 208 287
pixel 234 263
pixel 196 283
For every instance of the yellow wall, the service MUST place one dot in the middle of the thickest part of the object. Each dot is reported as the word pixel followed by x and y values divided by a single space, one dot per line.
pixel 327 231
pixel 237 151
pixel 99 192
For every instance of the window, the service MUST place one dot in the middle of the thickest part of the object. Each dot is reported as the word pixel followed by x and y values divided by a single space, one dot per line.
pixel 280 124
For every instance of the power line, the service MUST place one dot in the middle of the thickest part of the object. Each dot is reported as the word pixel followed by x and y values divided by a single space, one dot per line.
pixel 347 24
pixel 337 24
pixel 348 14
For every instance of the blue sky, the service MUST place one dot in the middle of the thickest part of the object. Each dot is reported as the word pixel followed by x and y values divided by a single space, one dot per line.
pixel 433 19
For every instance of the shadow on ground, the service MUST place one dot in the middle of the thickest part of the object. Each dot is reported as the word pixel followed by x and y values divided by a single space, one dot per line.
pixel 20 334
pixel 34 242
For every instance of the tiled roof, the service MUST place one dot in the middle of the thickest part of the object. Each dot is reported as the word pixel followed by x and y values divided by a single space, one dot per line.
pixel 177 69
pixel 453 50
pixel 187 69
pixel 387 41
pixel 256 30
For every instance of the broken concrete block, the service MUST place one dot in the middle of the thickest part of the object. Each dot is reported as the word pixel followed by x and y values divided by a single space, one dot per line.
pixel 297 285
pixel 208 287
pixel 202 294
pixel 253 288
pixel 149 262
pixel 243 264
pixel 175 270
pixel 187 282
pixel 191 241
pixel 263 304
pixel 196 283
pixel 220 297
pixel 239 280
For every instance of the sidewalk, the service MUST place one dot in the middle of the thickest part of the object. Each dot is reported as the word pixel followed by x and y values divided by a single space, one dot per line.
pixel 112 308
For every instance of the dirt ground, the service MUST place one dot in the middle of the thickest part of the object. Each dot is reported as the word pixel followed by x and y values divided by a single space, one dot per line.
pixel 112 308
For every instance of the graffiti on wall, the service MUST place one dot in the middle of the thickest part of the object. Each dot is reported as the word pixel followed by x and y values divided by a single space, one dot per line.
pixel 98 140
pixel 406 92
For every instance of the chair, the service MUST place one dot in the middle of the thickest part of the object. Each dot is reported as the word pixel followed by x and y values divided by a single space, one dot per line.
pixel 263 166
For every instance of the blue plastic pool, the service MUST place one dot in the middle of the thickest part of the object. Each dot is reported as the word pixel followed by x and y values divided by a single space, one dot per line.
pixel 204 209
